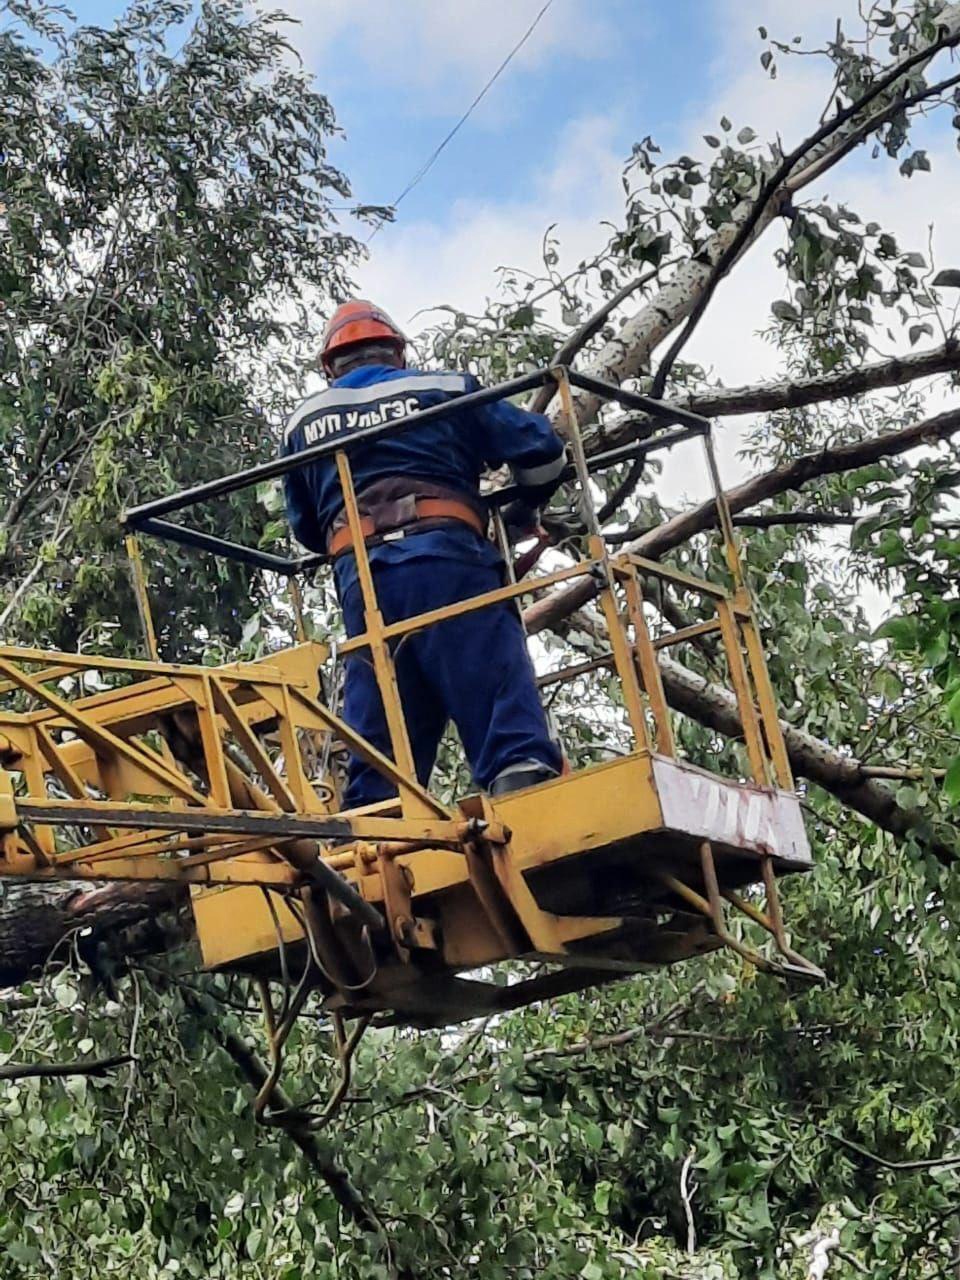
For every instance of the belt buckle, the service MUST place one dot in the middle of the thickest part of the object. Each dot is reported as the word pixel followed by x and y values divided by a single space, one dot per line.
pixel 393 535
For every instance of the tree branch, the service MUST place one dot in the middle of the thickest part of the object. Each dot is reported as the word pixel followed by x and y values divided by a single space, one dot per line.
pixel 779 519
pixel 91 1067
pixel 776 519
pixel 789 477
pixel 624 356
pixel 772 397
pixel 762 520
pixel 577 340
pixel 773 187
pixel 254 1071
pixel 767 203
pixel 34 919
pixel 901 1166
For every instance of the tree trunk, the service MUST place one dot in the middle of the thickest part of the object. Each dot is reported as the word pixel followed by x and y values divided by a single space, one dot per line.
pixel 36 920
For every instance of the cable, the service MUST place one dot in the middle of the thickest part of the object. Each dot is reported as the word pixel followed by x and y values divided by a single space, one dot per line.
pixel 431 161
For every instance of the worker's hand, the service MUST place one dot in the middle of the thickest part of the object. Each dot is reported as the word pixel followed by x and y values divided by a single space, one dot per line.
pixel 521 520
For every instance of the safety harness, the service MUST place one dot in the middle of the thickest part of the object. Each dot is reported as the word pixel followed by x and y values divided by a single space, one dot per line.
pixel 390 509
pixel 393 508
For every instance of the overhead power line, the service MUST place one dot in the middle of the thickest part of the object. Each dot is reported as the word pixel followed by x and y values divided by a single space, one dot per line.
pixel 435 155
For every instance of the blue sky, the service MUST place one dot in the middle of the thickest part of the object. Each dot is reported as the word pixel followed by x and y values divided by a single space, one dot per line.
pixel 401 72
pixel 595 76
pixel 395 118
pixel 548 142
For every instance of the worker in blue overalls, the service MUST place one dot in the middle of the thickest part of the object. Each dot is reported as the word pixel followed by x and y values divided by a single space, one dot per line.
pixel 425 527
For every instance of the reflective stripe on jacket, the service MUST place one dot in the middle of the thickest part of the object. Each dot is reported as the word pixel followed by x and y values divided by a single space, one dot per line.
pixel 450 450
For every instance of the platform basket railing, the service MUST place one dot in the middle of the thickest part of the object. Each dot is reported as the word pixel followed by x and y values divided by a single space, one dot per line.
pixel 99 790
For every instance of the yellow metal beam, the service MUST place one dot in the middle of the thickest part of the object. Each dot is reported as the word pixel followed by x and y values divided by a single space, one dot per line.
pixel 254 672
pixel 102 740
pixel 250 744
pixel 684 634
pixel 206 820
pixel 729 629
pixel 649 669
pixel 679 577
pixel 528 586
pixel 314 715
pixel 411 803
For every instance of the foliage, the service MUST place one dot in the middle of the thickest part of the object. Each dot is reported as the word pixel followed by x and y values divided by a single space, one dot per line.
pixel 167 239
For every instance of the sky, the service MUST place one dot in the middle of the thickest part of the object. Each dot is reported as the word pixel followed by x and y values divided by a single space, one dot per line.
pixel 548 142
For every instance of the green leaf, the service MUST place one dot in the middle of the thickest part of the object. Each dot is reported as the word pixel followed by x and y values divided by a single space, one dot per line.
pixel 907 797
pixel 522 318
pixel 949 278
pixel 593 1136
pixel 902 631
pixel 935 651
pixel 951 783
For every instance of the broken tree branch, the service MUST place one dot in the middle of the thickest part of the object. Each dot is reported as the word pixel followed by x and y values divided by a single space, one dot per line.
pixel 783 180
pixel 625 355
pixel 577 340
pixel 34 919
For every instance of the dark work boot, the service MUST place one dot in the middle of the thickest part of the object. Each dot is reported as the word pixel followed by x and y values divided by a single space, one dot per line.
pixel 526 773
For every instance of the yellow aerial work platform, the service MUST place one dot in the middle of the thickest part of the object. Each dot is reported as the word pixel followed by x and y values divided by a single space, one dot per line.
pixel 220 778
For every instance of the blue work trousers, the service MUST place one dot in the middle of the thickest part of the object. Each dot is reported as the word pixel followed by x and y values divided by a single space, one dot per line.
pixel 474 670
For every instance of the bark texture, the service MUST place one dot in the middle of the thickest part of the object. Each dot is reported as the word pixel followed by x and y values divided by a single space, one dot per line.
pixel 771 397
pixel 37 919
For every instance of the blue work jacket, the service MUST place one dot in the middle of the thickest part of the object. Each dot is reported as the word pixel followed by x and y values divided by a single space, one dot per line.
pixel 452 450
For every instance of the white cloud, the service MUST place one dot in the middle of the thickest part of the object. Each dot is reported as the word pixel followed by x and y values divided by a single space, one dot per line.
pixel 424 44
pixel 790 104
pixel 582 187
pixel 416 265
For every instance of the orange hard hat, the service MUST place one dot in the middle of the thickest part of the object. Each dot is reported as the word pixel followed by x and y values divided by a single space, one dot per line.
pixel 358 321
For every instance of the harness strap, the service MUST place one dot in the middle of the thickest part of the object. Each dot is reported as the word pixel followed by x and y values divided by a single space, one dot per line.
pixel 341 540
